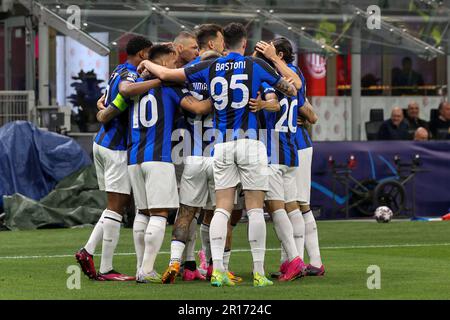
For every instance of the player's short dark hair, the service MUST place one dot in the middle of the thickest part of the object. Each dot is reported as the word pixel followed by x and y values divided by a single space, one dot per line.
pixel 159 50
pixel 263 57
pixel 282 44
pixel 206 32
pixel 233 34
pixel 137 44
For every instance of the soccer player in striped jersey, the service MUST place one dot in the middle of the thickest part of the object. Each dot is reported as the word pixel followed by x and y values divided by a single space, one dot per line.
pixel 110 160
pixel 196 184
pixel 150 166
pixel 281 127
pixel 238 157
pixel 305 228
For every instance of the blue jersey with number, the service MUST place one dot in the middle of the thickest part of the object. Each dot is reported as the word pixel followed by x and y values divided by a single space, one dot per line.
pixel 281 128
pixel 113 135
pixel 232 80
pixel 151 122
pixel 302 135
pixel 198 139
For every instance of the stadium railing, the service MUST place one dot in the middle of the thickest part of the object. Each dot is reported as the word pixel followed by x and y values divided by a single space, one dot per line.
pixel 17 105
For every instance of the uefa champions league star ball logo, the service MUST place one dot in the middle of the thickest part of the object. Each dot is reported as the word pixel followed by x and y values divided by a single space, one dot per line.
pixel 316 65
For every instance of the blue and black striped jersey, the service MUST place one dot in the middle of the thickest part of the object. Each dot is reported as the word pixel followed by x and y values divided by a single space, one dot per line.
pixel 281 126
pixel 302 136
pixel 113 135
pixel 151 122
pixel 197 140
pixel 232 80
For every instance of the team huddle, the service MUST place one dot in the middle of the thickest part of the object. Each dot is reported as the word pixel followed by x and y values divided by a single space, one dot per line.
pixel 197 126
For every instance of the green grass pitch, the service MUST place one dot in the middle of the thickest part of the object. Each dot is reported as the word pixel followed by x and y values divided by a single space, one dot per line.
pixel 414 258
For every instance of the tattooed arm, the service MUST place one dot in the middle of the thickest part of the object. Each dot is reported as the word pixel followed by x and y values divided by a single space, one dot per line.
pixel 286 88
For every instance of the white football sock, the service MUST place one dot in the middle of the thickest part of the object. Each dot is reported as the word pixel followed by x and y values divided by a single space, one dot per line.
pixel 298 225
pixel 176 251
pixel 217 237
pixel 284 255
pixel 257 238
pixel 111 233
pixel 226 259
pixel 154 236
pixel 285 233
pixel 139 227
pixel 312 240
pixel 206 245
pixel 96 235
pixel 190 243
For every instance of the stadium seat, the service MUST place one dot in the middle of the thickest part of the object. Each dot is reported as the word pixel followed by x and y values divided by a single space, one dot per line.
pixel 372 128
pixel 434 114
pixel 376 115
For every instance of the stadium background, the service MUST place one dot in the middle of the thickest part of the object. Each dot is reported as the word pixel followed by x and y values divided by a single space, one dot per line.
pixel 51 75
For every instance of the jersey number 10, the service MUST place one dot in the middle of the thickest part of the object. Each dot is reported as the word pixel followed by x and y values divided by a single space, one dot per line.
pixel 140 111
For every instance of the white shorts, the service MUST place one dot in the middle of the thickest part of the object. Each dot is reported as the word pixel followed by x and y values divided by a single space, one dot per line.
pixel 244 161
pixel 304 175
pixel 282 183
pixel 197 183
pixel 154 185
pixel 111 168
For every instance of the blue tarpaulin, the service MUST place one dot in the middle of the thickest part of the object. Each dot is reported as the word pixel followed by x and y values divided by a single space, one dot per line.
pixel 33 161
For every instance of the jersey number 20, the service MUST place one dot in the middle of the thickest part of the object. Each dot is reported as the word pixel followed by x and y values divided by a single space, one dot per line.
pixel 288 114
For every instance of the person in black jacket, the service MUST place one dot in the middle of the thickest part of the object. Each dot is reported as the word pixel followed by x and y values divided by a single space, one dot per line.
pixel 440 127
pixel 412 117
pixel 396 128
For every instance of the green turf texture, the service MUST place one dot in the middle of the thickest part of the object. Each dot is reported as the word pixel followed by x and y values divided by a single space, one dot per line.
pixel 414 258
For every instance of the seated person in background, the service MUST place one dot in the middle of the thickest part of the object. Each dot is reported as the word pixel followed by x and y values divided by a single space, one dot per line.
pixel 395 128
pixel 439 126
pixel 421 134
pixel 412 117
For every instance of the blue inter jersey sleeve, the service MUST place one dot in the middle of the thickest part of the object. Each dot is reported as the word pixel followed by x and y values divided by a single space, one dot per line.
pixel 265 72
pixel 198 72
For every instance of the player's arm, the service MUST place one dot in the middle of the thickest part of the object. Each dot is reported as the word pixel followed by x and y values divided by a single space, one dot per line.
pixel 285 87
pixel 270 103
pixel 130 89
pixel 269 51
pixel 307 111
pixel 196 106
pixel 163 73
pixel 112 110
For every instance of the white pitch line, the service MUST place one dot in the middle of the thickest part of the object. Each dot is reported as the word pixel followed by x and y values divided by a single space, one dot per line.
pixel 246 250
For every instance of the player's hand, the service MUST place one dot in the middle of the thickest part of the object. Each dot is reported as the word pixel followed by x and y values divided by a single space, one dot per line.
pixel 256 104
pixel 143 66
pixel 290 80
pixel 267 49
pixel 101 103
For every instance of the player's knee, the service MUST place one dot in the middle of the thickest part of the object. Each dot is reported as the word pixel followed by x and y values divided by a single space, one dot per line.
pixel 304 207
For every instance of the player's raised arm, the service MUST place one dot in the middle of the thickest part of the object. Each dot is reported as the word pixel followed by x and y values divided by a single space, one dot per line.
pixel 196 106
pixel 112 110
pixel 286 88
pixel 163 73
pixel 129 89
pixel 269 51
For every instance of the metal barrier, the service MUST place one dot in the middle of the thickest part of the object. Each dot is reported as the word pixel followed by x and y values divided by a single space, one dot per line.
pixel 17 105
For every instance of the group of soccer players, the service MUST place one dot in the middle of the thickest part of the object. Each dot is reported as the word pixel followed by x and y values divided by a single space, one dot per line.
pixel 240 121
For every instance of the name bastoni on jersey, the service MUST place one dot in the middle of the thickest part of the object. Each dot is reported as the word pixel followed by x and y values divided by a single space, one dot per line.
pixel 226 66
